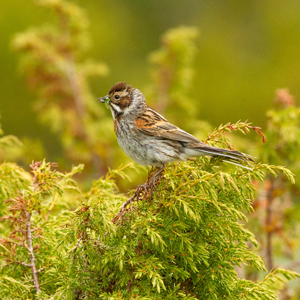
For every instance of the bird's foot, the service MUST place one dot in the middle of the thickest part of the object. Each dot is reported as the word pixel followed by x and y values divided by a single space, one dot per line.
pixel 141 189
pixel 154 177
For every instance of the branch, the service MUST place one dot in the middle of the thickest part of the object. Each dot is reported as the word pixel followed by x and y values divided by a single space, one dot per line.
pixel 21 263
pixel 76 246
pixel 122 210
pixel 144 252
pixel 133 198
pixel 75 87
pixel 243 127
pixel 40 270
pixel 80 108
pixel 15 243
pixel 268 224
pixel 51 206
pixel 30 249
pixel 146 189
pixel 184 284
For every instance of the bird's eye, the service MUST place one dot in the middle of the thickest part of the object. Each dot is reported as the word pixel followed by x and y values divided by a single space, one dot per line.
pixel 117 96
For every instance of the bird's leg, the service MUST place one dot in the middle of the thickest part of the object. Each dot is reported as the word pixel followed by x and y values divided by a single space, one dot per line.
pixel 150 184
pixel 153 178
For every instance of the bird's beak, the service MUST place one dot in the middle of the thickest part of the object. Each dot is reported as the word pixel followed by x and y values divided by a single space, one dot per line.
pixel 105 100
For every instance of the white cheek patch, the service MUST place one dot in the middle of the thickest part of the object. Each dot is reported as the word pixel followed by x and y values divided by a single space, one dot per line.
pixel 112 112
pixel 115 108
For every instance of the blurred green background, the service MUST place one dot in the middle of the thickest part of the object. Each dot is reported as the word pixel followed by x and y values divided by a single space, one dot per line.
pixel 245 51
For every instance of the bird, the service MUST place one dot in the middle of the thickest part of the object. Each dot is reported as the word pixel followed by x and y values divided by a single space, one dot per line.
pixel 150 139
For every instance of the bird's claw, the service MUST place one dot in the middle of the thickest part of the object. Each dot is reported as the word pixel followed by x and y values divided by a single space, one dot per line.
pixel 148 186
pixel 140 189
pixel 152 185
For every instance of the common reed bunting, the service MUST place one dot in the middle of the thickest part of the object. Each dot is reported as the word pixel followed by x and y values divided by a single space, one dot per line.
pixel 149 139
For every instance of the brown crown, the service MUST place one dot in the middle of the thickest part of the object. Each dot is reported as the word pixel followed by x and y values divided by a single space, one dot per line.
pixel 120 86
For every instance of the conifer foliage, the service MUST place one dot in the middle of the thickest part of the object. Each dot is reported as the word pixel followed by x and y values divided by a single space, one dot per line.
pixel 181 243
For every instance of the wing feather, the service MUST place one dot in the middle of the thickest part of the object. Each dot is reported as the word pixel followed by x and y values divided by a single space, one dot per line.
pixel 152 123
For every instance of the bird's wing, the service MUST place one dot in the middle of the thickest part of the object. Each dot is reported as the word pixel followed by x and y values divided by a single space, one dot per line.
pixel 152 123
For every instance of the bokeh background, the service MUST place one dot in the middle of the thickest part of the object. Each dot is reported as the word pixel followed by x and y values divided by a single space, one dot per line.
pixel 245 51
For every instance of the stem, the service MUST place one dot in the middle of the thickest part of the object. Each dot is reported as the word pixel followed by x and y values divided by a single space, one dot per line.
pixel 21 263
pixel 146 189
pixel 76 89
pixel 30 249
pixel 51 206
pixel 122 209
pixel 269 229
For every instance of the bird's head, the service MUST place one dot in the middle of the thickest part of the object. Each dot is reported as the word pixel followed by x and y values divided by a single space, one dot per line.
pixel 123 99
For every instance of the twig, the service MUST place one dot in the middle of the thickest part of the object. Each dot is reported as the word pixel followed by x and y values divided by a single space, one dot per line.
pixel 80 107
pixel 40 270
pixel 21 263
pixel 17 244
pixel 133 198
pixel 243 127
pixel 31 254
pixel 147 189
pixel 184 284
pixel 76 246
pixel 144 252
pixel 74 82
pixel 130 281
pixel 51 206
pixel 122 210
pixel 269 229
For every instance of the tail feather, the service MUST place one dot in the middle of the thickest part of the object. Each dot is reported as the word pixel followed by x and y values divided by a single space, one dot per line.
pixel 230 156
pixel 238 164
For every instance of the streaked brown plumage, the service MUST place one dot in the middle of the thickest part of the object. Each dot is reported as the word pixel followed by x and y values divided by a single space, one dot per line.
pixel 149 139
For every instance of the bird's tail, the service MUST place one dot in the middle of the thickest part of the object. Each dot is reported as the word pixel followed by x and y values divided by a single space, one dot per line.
pixel 230 156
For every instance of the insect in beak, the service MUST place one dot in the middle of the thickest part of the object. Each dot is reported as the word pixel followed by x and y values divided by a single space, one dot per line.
pixel 105 100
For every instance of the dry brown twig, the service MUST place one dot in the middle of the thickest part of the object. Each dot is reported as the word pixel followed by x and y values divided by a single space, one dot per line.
pixel 23 232
pixel 243 127
pixel 141 193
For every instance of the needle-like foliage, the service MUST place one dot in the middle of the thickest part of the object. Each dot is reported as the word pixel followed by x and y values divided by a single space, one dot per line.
pixel 182 243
